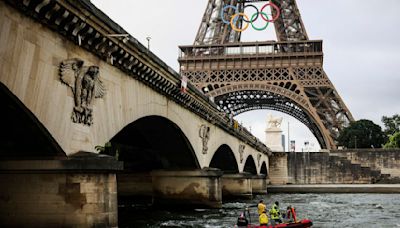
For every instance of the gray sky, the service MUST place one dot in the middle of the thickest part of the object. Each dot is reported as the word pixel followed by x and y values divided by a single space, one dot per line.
pixel 361 48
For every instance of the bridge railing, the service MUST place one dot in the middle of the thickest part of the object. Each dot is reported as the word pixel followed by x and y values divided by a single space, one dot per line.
pixel 234 128
pixel 92 33
pixel 252 49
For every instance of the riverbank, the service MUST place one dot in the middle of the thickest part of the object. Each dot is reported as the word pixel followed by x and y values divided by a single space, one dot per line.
pixel 335 188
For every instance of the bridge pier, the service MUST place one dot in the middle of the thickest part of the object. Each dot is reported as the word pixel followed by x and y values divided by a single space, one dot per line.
pixel 75 192
pixel 259 185
pixel 237 186
pixel 135 186
pixel 195 188
pixel 278 168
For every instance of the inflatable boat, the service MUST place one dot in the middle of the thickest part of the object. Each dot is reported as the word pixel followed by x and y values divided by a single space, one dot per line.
pixel 243 222
pixel 300 224
pixel 304 223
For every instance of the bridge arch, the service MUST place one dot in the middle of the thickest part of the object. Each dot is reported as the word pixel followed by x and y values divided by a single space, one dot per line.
pixel 264 169
pixel 250 165
pixel 224 159
pixel 249 96
pixel 154 142
pixel 22 135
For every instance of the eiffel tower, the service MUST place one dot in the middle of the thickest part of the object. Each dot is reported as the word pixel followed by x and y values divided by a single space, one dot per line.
pixel 285 75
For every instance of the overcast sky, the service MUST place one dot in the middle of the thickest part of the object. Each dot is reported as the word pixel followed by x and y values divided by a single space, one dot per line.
pixel 361 48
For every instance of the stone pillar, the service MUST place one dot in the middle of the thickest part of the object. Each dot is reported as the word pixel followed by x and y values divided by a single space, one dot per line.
pixel 59 193
pixel 196 188
pixel 273 139
pixel 278 169
pixel 136 187
pixel 236 186
pixel 259 185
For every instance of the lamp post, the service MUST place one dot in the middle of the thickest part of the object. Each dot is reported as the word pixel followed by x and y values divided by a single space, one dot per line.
pixel 148 42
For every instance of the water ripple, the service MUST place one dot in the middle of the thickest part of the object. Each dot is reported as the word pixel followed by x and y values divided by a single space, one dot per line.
pixel 326 210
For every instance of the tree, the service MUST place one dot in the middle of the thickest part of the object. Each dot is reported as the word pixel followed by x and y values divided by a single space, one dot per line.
pixel 394 141
pixel 362 134
pixel 392 124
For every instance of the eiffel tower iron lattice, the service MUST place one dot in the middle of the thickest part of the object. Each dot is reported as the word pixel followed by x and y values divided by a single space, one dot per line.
pixel 285 75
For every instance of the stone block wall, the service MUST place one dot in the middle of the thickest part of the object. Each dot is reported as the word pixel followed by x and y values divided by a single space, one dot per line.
pixel 76 192
pixel 237 186
pixel 342 167
pixel 278 168
pixel 189 188
pixel 387 161
pixel 58 200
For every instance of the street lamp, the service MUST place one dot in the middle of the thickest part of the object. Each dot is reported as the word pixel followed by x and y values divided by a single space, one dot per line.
pixel 148 42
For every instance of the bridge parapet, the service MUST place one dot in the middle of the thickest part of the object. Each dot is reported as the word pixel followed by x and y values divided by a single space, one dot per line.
pixel 85 25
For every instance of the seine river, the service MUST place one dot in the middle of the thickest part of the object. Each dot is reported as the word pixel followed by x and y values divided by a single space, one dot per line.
pixel 326 210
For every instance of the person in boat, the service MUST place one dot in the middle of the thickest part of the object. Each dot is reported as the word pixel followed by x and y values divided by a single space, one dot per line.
pixel 275 213
pixel 291 214
pixel 242 220
pixel 261 207
pixel 263 218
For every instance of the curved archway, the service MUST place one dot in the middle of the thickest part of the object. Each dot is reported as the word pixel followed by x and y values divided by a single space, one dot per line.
pixel 22 135
pixel 267 96
pixel 250 166
pixel 299 132
pixel 264 169
pixel 224 159
pixel 154 142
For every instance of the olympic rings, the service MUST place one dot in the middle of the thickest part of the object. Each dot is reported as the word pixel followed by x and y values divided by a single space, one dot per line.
pixel 223 10
pixel 273 6
pixel 265 26
pixel 233 21
pixel 254 7
pixel 254 17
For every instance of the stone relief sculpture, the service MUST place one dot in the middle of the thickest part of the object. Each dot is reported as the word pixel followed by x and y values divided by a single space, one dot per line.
pixel 241 152
pixel 204 134
pixel 273 122
pixel 85 84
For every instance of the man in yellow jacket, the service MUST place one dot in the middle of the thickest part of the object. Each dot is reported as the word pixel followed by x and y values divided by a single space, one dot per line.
pixel 275 213
pixel 261 207
pixel 263 219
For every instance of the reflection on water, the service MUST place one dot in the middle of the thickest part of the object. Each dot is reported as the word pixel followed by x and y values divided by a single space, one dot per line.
pixel 326 210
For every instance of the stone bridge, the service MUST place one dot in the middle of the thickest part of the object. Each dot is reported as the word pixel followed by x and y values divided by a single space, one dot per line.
pixel 70 80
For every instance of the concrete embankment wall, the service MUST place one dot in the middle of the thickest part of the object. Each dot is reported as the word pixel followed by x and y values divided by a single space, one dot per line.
pixel 338 167
pixel 322 168
pixel 387 161
pixel 336 188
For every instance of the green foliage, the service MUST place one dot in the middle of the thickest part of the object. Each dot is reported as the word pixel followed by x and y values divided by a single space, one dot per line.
pixel 394 141
pixel 103 149
pixel 108 149
pixel 392 124
pixel 362 134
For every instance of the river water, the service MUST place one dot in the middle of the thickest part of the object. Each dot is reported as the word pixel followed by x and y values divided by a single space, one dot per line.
pixel 326 210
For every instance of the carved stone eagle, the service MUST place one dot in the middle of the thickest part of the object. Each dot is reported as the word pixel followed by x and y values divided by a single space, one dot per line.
pixel 85 84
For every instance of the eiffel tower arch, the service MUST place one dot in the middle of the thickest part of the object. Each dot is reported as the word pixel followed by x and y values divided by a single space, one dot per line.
pixel 285 75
